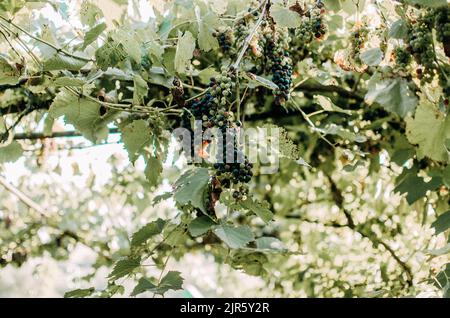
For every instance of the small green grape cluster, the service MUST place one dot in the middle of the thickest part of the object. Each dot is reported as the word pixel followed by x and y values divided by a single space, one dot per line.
pixel 211 108
pixel 442 26
pixel 358 39
pixel 421 47
pixel 226 40
pixel 402 57
pixel 312 27
pixel 279 63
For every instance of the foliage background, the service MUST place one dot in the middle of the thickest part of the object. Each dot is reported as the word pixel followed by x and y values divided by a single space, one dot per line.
pixel 91 198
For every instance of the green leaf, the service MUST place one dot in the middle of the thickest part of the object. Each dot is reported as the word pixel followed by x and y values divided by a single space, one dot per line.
pixel 184 52
pixel 200 225
pixel 206 25
pixel 334 5
pixel 372 57
pixel 270 243
pixel 284 17
pixel 416 187
pixel 136 136
pixel 234 236
pixel 63 62
pixel 161 197
pixel 429 129
pixel 89 13
pixel 82 113
pixel 143 285
pixel 8 74
pixel 110 54
pixel 127 39
pixel 328 105
pixel 79 293
pixel 256 80
pixel 93 34
pixel 140 90
pixel 398 30
pixel 393 94
pixel 429 3
pixel 446 176
pixel 68 81
pixel 171 281
pixel 153 169
pixel 147 231
pixel 259 209
pixel 11 152
pixel 191 186
pixel 123 268
pixel 442 223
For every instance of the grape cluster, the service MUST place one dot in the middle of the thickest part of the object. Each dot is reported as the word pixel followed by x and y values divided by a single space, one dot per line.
pixel 420 46
pixel 402 57
pixel 212 110
pixel 234 172
pixel 312 27
pixel 442 26
pixel 358 38
pixel 225 38
pixel 279 63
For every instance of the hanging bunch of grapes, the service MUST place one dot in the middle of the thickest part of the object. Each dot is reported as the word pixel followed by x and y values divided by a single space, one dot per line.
pixel 231 166
pixel 442 25
pixel 420 45
pixel 312 27
pixel 402 57
pixel 279 63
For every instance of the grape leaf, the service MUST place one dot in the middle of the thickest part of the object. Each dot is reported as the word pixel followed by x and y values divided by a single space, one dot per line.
pixel 429 129
pixel 63 62
pixel 284 17
pixel 143 285
pixel 428 3
pixel 11 152
pixel 206 26
pixel 234 236
pixel 153 169
pixel 8 74
pixel 416 187
pixel 140 90
pixel 393 94
pixel 129 43
pixel 191 186
pixel 82 113
pixel 68 81
pixel 89 13
pixel 442 223
pixel 123 268
pixel 79 293
pixel 146 232
pixel 372 57
pixel 136 136
pixel 398 30
pixel 171 281
pixel 259 209
pixel 184 52
pixel 200 225
pixel 93 34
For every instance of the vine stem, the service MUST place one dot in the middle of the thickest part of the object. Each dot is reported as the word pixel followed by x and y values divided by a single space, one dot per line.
pixel 58 49
pixel 249 38
pixel 310 123
pixel 23 197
